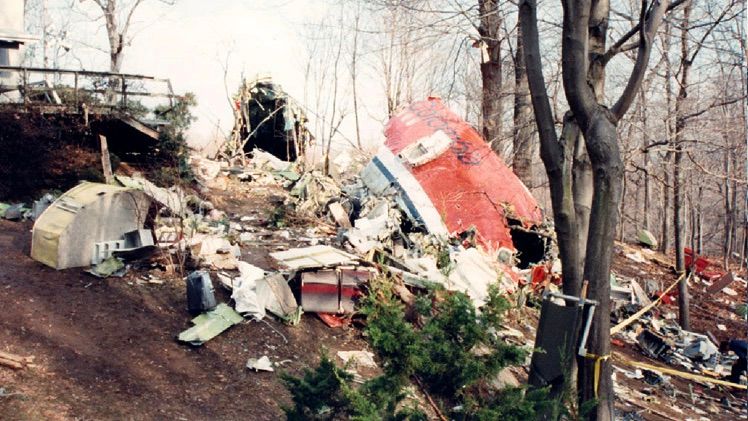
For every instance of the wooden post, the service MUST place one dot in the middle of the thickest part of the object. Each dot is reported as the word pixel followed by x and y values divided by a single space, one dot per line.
pixel 106 163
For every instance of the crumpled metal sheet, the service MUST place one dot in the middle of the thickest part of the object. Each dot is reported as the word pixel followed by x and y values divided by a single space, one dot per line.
pixel 468 183
pixel 210 324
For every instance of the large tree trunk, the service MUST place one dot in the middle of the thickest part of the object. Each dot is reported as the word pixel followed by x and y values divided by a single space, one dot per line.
pixel 608 172
pixel 524 135
pixel 491 73
pixel 583 71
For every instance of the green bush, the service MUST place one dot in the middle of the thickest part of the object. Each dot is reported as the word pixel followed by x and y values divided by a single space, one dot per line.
pixel 454 355
pixel 325 393
pixel 172 147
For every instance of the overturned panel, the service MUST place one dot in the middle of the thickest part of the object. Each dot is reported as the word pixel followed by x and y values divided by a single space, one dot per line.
pixel 65 235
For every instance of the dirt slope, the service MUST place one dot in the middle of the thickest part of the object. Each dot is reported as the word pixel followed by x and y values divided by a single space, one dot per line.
pixel 106 349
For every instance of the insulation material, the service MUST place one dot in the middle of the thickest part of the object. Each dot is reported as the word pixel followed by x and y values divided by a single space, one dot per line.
pixel 277 296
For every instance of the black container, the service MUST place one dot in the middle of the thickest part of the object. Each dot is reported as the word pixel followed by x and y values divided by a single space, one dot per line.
pixel 200 294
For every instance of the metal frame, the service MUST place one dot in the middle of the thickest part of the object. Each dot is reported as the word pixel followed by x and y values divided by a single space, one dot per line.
pixel 581 302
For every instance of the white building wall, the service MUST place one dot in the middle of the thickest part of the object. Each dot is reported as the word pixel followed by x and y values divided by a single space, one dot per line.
pixel 11 16
pixel 11 24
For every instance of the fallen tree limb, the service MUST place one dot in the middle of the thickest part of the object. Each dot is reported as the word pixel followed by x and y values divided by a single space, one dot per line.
pixel 14 361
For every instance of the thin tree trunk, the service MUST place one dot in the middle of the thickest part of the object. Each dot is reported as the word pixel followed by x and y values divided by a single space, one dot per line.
pixel 700 241
pixel 622 209
pixel 354 74
pixel 664 222
pixel 524 135
pixel 728 220
pixel 666 188
pixel 734 212
pixel 491 74
pixel 645 141
pixel 680 125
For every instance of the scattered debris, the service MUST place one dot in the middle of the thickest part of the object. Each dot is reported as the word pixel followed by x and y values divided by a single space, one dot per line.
pixel 340 215
pixel 654 345
pixel 216 252
pixel 111 266
pixel 260 364
pixel 700 348
pixel 66 233
pixel 319 256
pixel 358 358
pixel 210 324
pixel 721 283
pixel 636 257
pixel 175 200
pixel 647 238
pixel 332 320
pixel 200 293
pixel 244 291
pixel 14 212
pixel 41 205
pixel 275 294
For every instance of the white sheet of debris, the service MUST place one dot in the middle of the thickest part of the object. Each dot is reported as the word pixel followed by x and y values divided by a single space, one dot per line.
pixel 244 291
pixel 313 257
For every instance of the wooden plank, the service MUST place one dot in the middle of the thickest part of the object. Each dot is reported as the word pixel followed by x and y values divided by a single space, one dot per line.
pixel 720 284
pixel 12 357
pixel 340 215
pixel 106 163
pixel 11 364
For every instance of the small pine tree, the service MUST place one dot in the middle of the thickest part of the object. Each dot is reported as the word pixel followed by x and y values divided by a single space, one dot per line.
pixel 442 354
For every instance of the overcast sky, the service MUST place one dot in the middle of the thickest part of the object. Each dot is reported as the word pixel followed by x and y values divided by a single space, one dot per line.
pixel 192 40
pixel 191 43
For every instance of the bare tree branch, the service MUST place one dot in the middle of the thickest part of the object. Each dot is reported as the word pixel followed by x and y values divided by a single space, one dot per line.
pixel 650 21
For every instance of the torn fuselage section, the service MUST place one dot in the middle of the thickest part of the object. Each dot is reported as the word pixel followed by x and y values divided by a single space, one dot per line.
pixel 268 118
pixel 447 180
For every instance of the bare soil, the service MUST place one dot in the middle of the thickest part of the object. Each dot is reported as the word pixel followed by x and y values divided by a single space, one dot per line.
pixel 107 349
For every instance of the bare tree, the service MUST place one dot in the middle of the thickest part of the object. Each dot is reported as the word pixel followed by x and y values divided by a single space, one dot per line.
pixel 688 54
pixel 584 57
pixel 524 135
pixel 491 72
pixel 117 16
